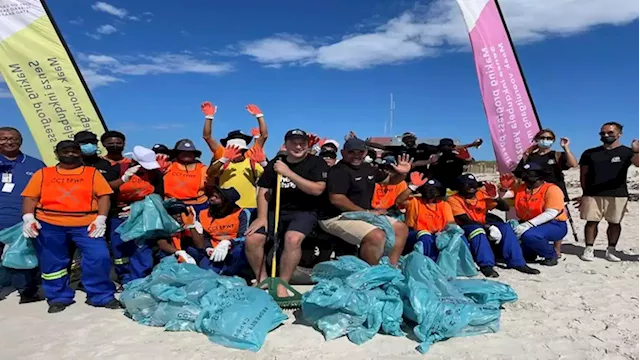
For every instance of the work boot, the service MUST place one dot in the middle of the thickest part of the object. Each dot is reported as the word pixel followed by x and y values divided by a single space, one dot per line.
pixel 549 262
pixel 525 269
pixel 28 298
pixel 112 304
pixel 56 308
pixel 489 272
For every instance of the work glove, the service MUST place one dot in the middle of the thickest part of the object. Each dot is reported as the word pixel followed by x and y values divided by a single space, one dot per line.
pixel 220 252
pixel 130 172
pixel 209 110
pixel 490 190
pixel 522 228
pixel 417 180
pixel 255 133
pixel 126 211
pixel 256 153
pixel 494 234
pixel 189 220
pixel 254 110
pixel 318 146
pixel 231 152
pixel 163 161
pixel 462 154
pixel 30 226
pixel 312 139
pixel 183 257
pixel 507 181
pixel 98 227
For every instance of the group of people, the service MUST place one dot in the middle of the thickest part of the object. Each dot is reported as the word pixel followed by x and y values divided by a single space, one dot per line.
pixel 358 193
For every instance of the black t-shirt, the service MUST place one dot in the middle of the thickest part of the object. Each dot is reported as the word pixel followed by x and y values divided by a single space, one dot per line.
pixel 607 171
pixel 311 168
pixel 99 163
pixel 420 152
pixel 552 165
pixel 448 168
pixel 357 183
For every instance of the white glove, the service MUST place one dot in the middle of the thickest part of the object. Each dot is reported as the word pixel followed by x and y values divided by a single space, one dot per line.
pixel 494 234
pixel 126 211
pixel 220 252
pixel 98 227
pixel 30 226
pixel 183 257
pixel 522 228
pixel 130 172
pixel 196 225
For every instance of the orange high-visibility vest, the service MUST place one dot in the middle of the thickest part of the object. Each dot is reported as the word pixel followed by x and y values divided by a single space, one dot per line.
pixel 184 185
pixel 431 218
pixel 67 193
pixel 384 196
pixel 475 208
pixel 137 188
pixel 220 229
pixel 531 204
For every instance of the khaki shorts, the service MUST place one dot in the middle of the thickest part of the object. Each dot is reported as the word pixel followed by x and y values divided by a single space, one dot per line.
pixel 595 208
pixel 351 231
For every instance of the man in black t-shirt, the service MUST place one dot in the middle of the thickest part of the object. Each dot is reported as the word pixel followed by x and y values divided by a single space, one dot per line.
pixel 304 179
pixel 449 164
pixel 603 178
pixel 350 187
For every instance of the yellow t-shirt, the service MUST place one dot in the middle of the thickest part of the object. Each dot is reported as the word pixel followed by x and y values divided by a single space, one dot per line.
pixel 239 176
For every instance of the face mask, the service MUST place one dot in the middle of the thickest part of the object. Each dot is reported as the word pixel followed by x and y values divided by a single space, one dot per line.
pixel 70 160
pixel 545 144
pixel 608 140
pixel 115 148
pixel 89 149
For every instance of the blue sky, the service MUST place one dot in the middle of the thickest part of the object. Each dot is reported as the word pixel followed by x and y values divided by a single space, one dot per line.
pixel 329 66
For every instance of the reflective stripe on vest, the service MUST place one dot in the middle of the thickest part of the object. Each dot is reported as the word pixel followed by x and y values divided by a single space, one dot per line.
pixel 55 275
pixel 183 184
pixel 67 193
pixel 476 232
pixel 121 261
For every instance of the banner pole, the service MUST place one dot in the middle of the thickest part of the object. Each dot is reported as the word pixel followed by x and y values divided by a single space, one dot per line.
pixel 73 62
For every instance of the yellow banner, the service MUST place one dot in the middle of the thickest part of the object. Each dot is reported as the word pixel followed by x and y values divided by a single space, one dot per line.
pixel 42 78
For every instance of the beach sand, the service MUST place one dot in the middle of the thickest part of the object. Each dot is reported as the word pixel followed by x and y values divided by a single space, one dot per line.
pixel 576 310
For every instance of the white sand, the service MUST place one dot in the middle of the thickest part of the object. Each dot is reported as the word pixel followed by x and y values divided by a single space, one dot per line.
pixel 575 310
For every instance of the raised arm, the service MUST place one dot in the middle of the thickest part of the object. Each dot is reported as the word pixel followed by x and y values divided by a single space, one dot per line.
pixel 209 111
pixel 571 159
pixel 262 125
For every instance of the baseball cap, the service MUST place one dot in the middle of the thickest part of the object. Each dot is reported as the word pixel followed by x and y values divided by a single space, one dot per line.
pixel 409 134
pixel 145 157
pixel 355 144
pixel 331 144
pixel 295 133
pixel 433 182
pixel 67 144
pixel 468 179
pixel 85 137
pixel 160 149
pixel 186 145
pixel 230 195
pixel 446 142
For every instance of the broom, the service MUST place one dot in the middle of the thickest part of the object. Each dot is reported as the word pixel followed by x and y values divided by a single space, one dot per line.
pixel 290 302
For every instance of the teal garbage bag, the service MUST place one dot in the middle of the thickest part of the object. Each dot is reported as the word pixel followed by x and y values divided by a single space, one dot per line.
pixel 454 257
pixel 20 253
pixel 148 220
pixel 438 306
pixel 354 299
pixel 379 221
pixel 184 297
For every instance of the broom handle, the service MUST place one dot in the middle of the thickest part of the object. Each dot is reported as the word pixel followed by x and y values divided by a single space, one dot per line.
pixel 275 226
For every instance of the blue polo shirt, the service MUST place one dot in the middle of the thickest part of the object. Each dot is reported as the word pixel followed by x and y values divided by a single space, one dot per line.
pixel 21 170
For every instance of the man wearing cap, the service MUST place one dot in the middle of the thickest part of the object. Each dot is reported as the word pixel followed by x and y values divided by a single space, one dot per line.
pixel 470 206
pixel 235 169
pixel 89 146
pixel 16 169
pixel 63 203
pixel 161 149
pixel 304 179
pixel 449 164
pixel 114 142
pixel 186 177
pixel 133 181
pixel 350 187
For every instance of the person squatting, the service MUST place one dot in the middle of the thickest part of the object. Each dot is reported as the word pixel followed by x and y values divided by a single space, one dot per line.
pixel 227 209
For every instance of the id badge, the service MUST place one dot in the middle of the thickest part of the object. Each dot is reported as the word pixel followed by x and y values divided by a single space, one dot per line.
pixel 7 178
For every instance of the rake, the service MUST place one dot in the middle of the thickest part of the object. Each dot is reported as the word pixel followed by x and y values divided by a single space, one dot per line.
pixel 272 283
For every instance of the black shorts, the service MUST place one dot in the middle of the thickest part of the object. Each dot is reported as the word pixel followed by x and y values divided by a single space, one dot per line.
pixel 300 221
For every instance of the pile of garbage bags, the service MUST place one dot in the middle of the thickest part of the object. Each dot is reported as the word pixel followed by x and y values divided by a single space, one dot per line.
pixel 184 297
pixel 20 253
pixel 355 299
pixel 148 220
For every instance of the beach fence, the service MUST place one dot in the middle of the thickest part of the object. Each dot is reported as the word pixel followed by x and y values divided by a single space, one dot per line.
pixel 483 167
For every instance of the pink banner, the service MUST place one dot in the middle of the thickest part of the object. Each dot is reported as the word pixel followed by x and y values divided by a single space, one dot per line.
pixel 507 104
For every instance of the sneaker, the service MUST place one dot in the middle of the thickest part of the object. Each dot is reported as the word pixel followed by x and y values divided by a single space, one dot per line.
pixel 527 270
pixel 587 255
pixel 30 298
pixel 610 256
pixel 550 262
pixel 56 308
pixel 489 272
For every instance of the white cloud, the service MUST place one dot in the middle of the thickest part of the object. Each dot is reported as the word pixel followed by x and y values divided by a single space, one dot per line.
pixel 94 79
pixel 94 36
pixel 110 9
pixel 424 32
pixel 134 18
pixel 5 94
pixel 77 21
pixel 106 29
pixel 101 59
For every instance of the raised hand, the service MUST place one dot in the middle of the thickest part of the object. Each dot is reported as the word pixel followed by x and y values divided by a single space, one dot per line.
pixel 231 152
pixel 477 143
pixel 564 142
pixel 507 181
pixel 256 153
pixel 255 132
pixel 463 154
pixel 254 110
pixel 312 139
pixel 491 190
pixel 417 179
pixel 208 109
pixel 189 218
pixel 163 161
pixel 404 164
pixel 351 135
